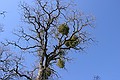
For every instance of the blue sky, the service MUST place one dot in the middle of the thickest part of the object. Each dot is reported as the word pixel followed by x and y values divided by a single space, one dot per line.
pixel 101 59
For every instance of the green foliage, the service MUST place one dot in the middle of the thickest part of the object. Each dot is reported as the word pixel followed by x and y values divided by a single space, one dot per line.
pixel 61 52
pixel 61 63
pixel 63 29
pixel 67 43
pixel 74 38
pixel 73 42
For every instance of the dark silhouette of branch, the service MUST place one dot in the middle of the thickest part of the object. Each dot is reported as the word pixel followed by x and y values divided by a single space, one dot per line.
pixel 3 13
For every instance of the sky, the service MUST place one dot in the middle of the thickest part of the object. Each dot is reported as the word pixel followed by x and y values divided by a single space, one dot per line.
pixel 101 58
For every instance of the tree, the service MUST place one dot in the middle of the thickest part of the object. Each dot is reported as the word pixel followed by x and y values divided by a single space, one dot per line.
pixel 52 30
pixel 8 64
pixel 96 78
pixel 2 14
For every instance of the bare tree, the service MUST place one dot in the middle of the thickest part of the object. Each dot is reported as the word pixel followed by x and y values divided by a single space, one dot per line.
pixel 2 14
pixel 52 31
pixel 96 78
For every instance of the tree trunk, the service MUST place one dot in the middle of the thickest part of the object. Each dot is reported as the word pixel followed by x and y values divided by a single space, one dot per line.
pixel 42 71
pixel 40 74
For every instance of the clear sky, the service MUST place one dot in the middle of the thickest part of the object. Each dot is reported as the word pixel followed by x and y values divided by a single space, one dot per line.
pixel 101 59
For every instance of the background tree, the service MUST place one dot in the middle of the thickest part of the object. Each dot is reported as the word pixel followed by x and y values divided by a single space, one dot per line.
pixel 2 14
pixel 52 31
pixel 96 78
